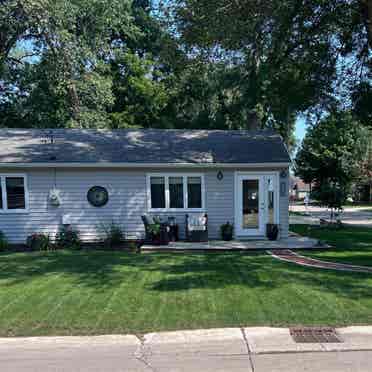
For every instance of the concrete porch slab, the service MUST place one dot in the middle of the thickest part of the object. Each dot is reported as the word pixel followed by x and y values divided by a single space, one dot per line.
pixel 292 242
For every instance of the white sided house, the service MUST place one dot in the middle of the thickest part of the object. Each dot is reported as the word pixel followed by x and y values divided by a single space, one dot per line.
pixel 84 178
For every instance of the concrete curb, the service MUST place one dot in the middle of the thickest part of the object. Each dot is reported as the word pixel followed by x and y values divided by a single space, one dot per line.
pixel 220 341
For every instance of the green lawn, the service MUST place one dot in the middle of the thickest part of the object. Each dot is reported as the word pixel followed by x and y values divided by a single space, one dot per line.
pixel 352 245
pixel 97 292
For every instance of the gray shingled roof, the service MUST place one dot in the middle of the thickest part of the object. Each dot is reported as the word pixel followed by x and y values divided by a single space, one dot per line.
pixel 140 146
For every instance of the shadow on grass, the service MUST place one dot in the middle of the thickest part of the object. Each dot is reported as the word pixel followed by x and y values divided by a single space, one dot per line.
pixel 179 272
pixel 351 245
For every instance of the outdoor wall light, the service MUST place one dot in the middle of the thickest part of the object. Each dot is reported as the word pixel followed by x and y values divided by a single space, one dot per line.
pixel 283 174
pixel 219 175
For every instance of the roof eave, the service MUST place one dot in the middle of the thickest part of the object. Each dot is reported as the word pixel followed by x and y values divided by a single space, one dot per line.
pixel 144 165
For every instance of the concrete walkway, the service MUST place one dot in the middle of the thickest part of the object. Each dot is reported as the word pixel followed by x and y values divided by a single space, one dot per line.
pixel 289 256
pixel 233 349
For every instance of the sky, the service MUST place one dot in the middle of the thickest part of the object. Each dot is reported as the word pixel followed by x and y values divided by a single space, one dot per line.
pixel 300 128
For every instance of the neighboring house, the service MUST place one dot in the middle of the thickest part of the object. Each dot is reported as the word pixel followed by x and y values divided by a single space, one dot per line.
pixel 87 177
pixel 298 189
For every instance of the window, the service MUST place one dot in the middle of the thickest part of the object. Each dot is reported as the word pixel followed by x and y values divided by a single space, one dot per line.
pixel 194 192
pixel 176 191
pixel 13 193
pixel 158 192
pixel 270 199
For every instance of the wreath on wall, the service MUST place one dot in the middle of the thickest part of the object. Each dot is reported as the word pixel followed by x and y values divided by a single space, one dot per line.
pixel 98 196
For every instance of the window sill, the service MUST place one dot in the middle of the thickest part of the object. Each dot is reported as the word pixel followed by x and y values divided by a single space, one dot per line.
pixel 175 210
pixel 14 211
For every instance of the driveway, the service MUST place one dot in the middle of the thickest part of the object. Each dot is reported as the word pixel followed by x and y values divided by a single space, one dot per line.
pixel 351 216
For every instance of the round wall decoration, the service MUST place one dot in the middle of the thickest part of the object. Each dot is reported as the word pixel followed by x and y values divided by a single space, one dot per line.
pixel 97 196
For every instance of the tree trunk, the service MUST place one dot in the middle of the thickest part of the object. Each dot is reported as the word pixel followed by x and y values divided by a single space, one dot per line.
pixel 254 121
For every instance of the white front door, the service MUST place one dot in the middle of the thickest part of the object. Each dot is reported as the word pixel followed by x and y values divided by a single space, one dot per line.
pixel 255 203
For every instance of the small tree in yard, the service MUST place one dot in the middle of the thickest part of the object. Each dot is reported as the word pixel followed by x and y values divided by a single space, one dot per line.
pixel 329 158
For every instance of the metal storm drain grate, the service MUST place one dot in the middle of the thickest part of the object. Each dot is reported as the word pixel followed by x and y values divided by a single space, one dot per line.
pixel 315 335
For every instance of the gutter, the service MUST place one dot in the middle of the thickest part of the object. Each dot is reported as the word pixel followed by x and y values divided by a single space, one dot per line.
pixel 145 165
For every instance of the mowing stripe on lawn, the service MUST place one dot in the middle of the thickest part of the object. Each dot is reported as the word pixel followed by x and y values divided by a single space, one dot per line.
pixel 27 294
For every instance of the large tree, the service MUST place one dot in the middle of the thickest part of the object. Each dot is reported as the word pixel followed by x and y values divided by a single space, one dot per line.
pixel 291 53
pixel 330 157
pixel 81 63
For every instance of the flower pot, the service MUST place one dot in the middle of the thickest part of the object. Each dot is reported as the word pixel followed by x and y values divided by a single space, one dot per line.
pixel 227 236
pixel 272 231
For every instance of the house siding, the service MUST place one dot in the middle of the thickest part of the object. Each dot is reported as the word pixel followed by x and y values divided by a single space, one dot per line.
pixel 127 202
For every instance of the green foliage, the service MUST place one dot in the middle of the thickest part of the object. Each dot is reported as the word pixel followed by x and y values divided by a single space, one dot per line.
pixel 154 229
pixel 140 93
pixel 330 155
pixel 3 241
pixel 68 238
pixel 362 99
pixel 39 242
pixel 67 82
pixel 182 64
pixel 112 233
pixel 279 51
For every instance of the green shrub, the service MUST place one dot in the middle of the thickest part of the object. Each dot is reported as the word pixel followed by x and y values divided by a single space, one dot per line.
pixel 3 241
pixel 68 238
pixel 112 234
pixel 39 242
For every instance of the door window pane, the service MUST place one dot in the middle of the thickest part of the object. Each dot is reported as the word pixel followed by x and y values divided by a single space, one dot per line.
pixel 157 192
pixel 176 192
pixel 250 204
pixel 270 199
pixel 15 192
pixel 194 192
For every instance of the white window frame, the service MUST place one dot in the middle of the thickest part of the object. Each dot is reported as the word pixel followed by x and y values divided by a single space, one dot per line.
pixel 167 195
pixel 3 195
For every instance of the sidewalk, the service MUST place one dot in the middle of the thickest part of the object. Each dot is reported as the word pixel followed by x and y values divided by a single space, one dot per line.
pixel 232 349
pixel 350 216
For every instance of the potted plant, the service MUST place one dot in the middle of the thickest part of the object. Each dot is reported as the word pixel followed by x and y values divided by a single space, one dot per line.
pixel 154 230
pixel 272 231
pixel 227 230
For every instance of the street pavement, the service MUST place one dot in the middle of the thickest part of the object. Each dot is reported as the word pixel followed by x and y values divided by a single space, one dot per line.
pixel 351 216
pixel 257 349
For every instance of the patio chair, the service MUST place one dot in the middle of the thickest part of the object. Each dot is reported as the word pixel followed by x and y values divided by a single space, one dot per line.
pixel 162 238
pixel 147 221
pixel 197 227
